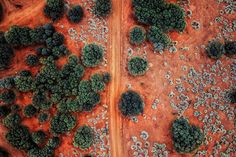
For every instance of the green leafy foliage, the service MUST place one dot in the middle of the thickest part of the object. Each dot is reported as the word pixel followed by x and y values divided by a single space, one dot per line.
pixel 12 120
pixel 83 137
pixel 39 137
pixel 24 83
pixel 54 9
pixel 4 111
pixel 6 55
pixel 186 137
pixel 159 39
pixel 97 82
pixel 75 14
pixel 62 123
pixel 230 47
pixel 30 111
pixel 137 35
pixel 20 138
pixel 215 49
pixel 102 8
pixel 92 55
pixel 32 60
pixel 8 96
pixel 4 152
pixel 131 104
pixel 88 100
pixel 137 66
pixel 166 16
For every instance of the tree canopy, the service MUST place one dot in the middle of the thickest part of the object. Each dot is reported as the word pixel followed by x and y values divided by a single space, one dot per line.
pixel 137 66
pixel 75 14
pixel 83 137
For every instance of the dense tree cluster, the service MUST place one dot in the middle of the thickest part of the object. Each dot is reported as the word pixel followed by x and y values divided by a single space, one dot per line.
pixel 32 60
pixel 92 55
pixel 12 120
pixel 83 137
pixel 20 138
pixel 54 9
pixel 75 14
pixel 39 137
pixel 186 137
pixel 8 96
pixel 131 104
pixel 62 123
pixel 137 35
pixel 102 8
pixel 137 66
pixel 215 49
pixel 29 111
pixel 230 47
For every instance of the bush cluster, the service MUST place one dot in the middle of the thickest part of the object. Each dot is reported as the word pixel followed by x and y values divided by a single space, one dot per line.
pixel 137 66
pixel 102 8
pixel 75 14
pixel 186 137
pixel 62 123
pixel 54 9
pixel 137 35
pixel 92 55
pixel 8 96
pixel 131 104
pixel 83 137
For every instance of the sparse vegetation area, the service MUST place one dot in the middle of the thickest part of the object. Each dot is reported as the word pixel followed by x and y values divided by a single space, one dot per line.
pixel 131 104
pixel 186 137
pixel 137 66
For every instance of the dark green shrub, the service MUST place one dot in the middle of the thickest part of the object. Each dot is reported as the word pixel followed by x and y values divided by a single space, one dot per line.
pixel 75 14
pixel 43 117
pixel 83 137
pixel 20 138
pixel 85 86
pixel 4 111
pixel 88 100
pixel 215 49
pixel 54 9
pixel 39 137
pixel 7 83
pixel 97 82
pixel 137 35
pixel 24 84
pixel 62 123
pixel 8 96
pixel 230 47
pixel 4 152
pixel 12 120
pixel 92 55
pixel 102 8
pixel 106 77
pixel 137 66
pixel 186 137
pixel 159 39
pixel 6 55
pixel 30 111
pixel 131 104
pixel 32 60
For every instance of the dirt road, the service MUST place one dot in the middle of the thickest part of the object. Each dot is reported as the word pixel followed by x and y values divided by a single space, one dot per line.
pixel 116 50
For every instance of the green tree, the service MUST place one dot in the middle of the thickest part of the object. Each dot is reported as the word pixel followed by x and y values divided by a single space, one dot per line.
pixel 8 96
pixel 97 82
pixel 215 49
pixel 83 137
pixel 186 137
pixel 92 55
pixel 137 35
pixel 6 56
pixel 30 111
pixel 39 137
pixel 131 104
pixel 102 8
pixel 12 120
pixel 54 9
pixel 43 117
pixel 88 100
pixel 32 60
pixel 4 111
pixel 137 66
pixel 230 47
pixel 75 14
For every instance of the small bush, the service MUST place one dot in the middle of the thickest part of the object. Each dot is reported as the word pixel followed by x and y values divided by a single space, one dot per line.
pixel 215 49
pixel 186 137
pixel 32 60
pixel 54 9
pixel 92 55
pixel 75 14
pixel 6 56
pixel 159 39
pixel 137 66
pixel 230 47
pixel 137 35
pixel 131 104
pixel 39 137
pixel 12 120
pixel 62 123
pixel 8 96
pixel 20 138
pixel 83 137
pixel 102 8
pixel 30 111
